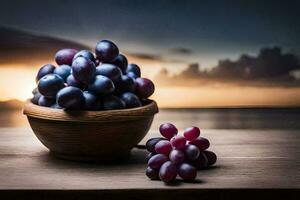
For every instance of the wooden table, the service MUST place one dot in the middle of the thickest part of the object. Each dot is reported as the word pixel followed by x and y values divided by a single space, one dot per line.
pixel 251 164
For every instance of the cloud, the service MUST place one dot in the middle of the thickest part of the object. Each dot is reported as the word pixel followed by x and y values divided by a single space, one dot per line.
pixel 146 56
pixel 181 50
pixel 270 67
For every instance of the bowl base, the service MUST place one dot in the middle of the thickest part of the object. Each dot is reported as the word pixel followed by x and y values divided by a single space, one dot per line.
pixel 93 158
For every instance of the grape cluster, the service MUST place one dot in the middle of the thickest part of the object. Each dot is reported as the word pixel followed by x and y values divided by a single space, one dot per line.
pixel 84 81
pixel 173 154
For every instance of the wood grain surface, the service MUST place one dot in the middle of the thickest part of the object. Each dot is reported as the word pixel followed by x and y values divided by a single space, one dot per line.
pixel 251 164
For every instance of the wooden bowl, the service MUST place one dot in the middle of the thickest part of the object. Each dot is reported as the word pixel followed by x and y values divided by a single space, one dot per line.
pixel 90 135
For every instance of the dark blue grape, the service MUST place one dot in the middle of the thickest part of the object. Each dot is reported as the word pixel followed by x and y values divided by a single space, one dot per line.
pixel 101 85
pixel 72 81
pixel 125 84
pixel 134 69
pixel 150 144
pixel 131 75
pixel 83 70
pixel 65 56
pixel 35 98
pixel 63 71
pixel 131 100
pixel 168 172
pixel 153 174
pixel 91 102
pixel 156 161
pixel 44 70
pixel 144 87
pixel 50 84
pixel 112 103
pixel 121 62
pixel 106 51
pixel 201 162
pixel 109 70
pixel 187 172
pixel 70 98
pixel 85 53
pixel 176 156
pixel 191 151
pixel 149 156
pixel 211 157
pixel 47 102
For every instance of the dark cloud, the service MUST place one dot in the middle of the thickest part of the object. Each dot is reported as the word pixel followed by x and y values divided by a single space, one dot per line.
pixel 146 56
pixel 181 50
pixel 270 67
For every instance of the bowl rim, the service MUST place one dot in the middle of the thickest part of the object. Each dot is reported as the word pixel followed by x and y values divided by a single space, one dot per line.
pixel 40 112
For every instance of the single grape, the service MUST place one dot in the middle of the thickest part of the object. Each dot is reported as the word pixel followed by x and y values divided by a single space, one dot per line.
pixel 121 62
pixel 125 84
pixel 191 151
pixel 168 172
pixel 131 100
pixel 44 70
pixel 153 174
pixel 65 56
pixel 72 81
pixel 133 68
pixel 47 102
pixel 70 98
pixel 101 85
pixel 178 142
pixel 149 156
pixel 144 87
pixel 201 162
pixel 63 71
pixel 211 157
pixel 176 156
pixel 150 144
pixel 110 71
pixel 83 69
pixel 157 160
pixel 131 75
pixel 163 147
pixel 91 102
pixel 50 84
pixel 187 172
pixel 112 103
pixel 168 130
pixel 191 133
pixel 85 53
pixel 106 51
pixel 35 98
pixel 201 142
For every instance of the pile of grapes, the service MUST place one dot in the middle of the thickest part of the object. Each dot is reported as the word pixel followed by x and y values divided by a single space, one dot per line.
pixel 174 154
pixel 83 81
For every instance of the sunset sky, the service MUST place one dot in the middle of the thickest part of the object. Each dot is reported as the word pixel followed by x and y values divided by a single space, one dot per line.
pixel 167 34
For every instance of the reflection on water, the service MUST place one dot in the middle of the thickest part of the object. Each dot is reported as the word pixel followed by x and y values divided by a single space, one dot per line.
pixel 204 118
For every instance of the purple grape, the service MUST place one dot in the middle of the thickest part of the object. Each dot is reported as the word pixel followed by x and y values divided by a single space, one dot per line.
pixel 70 98
pixel 201 162
pixel 150 144
pixel 201 142
pixel 187 172
pixel 112 103
pixel 35 98
pixel 101 85
pixel 83 69
pixel 50 84
pixel 85 53
pixel 178 142
pixel 163 147
pixel 91 102
pixel 106 51
pixel 47 102
pixel 121 62
pixel 72 81
pixel 125 84
pixel 133 68
pixel 149 156
pixel 110 71
pixel 191 152
pixel 153 174
pixel 211 157
pixel 176 156
pixel 131 100
pixel 168 130
pixel 144 87
pixel 63 71
pixel 65 56
pixel 131 75
pixel 191 133
pixel 44 70
pixel 168 172
pixel 157 160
